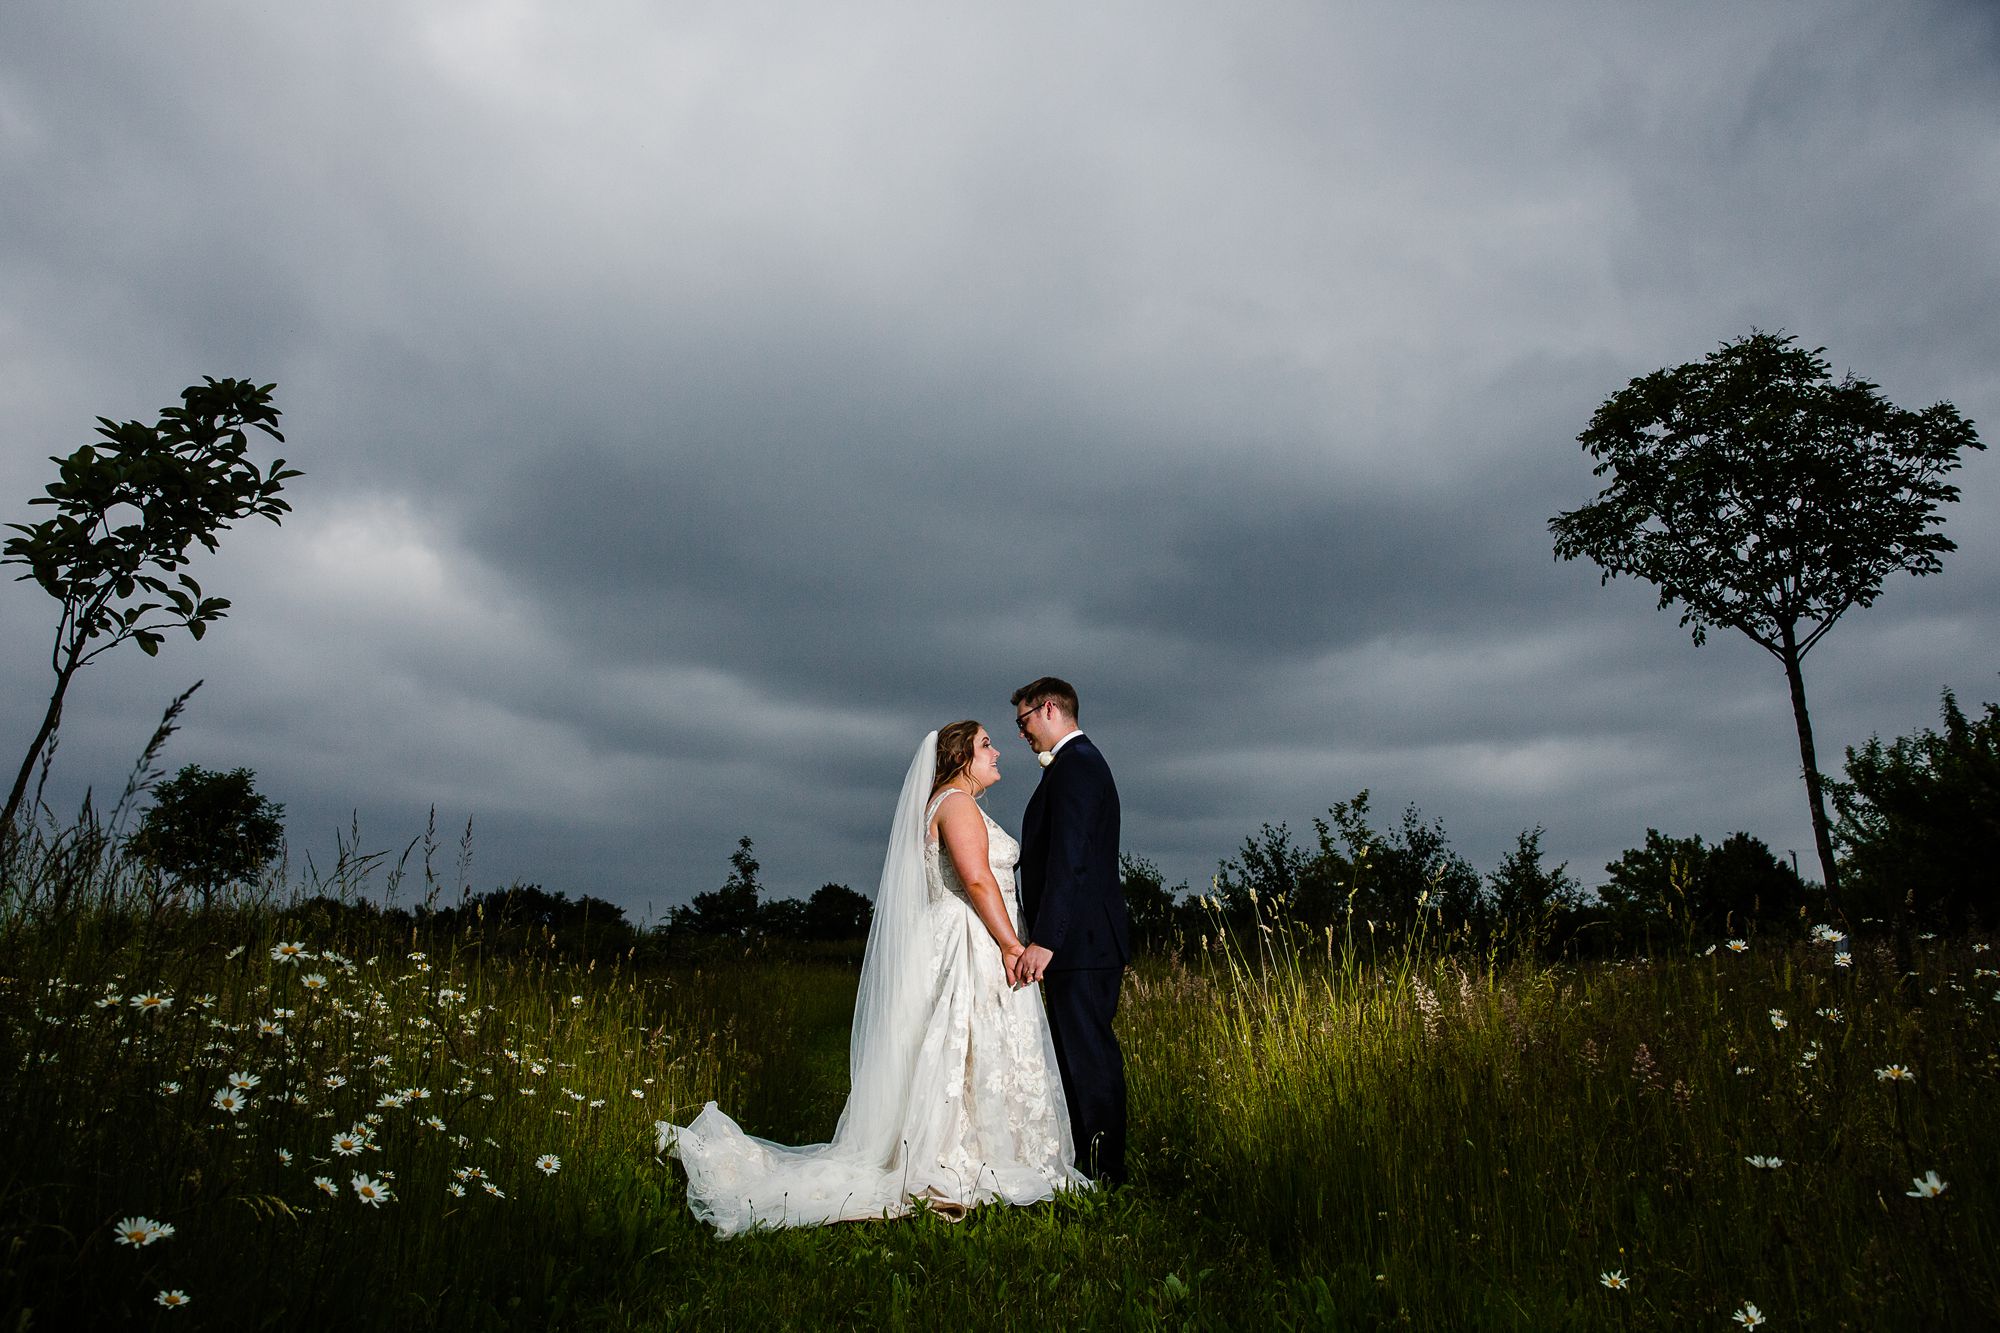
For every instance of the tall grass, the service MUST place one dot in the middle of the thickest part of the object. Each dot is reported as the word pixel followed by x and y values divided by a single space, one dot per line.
pixel 1457 1145
pixel 1322 1136
pixel 251 1078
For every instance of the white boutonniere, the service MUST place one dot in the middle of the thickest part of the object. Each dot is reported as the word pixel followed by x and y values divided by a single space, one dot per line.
pixel 1045 758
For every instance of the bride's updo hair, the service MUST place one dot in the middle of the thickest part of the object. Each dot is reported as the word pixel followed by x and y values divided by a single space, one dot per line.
pixel 954 751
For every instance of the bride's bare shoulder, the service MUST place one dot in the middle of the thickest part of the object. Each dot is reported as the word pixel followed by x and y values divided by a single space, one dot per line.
pixel 947 810
pixel 959 820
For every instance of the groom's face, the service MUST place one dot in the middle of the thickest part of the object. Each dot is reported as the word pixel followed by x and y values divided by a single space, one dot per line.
pixel 1041 726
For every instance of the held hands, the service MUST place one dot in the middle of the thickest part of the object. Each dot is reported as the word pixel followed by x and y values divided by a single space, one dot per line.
pixel 1030 966
pixel 1010 958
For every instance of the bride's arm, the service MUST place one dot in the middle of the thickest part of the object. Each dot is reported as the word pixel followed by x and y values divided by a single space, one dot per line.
pixel 963 833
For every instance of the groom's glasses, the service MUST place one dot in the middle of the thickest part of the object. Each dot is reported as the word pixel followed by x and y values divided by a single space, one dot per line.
pixel 1021 720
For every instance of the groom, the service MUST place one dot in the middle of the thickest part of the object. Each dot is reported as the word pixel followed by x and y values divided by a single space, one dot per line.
pixel 1073 907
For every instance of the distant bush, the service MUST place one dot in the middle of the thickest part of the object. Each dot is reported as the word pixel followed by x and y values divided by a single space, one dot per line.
pixel 835 912
pixel 527 916
pixel 1919 825
pixel 1534 905
pixel 1153 908
pixel 1683 887
pixel 1355 874
pixel 1358 884
pixel 208 830
pixel 736 917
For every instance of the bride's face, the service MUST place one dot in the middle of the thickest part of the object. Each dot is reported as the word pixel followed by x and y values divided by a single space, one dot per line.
pixel 985 766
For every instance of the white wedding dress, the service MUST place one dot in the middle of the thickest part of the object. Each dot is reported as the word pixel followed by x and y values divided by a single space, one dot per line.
pixel 955 1098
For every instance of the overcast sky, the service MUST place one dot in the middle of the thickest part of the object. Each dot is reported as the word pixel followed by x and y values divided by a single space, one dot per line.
pixel 699 402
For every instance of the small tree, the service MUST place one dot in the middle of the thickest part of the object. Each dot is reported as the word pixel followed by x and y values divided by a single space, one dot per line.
pixel 1761 495
pixel 1149 903
pixel 1920 823
pixel 836 912
pixel 1399 877
pixel 1528 896
pixel 1659 881
pixel 128 508
pixel 1702 890
pixel 530 917
pixel 731 910
pixel 1745 880
pixel 210 829
pixel 1268 872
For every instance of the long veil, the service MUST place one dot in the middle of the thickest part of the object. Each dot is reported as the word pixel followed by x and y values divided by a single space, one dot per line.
pixel 737 1181
pixel 898 977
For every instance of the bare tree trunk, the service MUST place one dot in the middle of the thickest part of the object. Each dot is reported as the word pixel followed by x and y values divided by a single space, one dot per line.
pixel 1809 758
pixel 49 721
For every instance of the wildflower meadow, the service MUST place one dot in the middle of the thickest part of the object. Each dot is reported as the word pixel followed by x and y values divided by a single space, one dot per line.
pixel 288 1114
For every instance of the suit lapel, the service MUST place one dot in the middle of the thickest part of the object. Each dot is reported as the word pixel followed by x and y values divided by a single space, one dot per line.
pixel 1033 820
pixel 1034 828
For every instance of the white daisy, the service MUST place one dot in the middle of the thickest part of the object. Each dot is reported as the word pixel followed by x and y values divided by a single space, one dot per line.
pixel 142 1231
pixel 1928 1186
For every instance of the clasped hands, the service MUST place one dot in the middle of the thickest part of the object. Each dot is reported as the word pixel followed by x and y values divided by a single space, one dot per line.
pixel 1026 964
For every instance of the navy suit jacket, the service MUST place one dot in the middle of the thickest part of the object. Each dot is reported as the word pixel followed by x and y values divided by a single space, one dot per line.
pixel 1071 897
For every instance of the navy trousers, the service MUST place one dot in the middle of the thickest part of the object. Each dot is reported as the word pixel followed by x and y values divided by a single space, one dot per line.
pixel 1081 1003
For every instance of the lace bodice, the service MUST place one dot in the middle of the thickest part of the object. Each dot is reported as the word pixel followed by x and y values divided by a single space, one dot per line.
pixel 1002 855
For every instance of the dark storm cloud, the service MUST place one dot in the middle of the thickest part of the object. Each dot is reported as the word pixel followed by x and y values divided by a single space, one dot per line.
pixel 698 406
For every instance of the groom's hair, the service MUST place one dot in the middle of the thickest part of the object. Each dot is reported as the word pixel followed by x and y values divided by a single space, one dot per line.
pixel 1038 692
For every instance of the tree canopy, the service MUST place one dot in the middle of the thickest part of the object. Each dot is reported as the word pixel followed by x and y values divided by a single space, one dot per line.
pixel 208 829
pixel 128 508
pixel 1920 823
pixel 1757 492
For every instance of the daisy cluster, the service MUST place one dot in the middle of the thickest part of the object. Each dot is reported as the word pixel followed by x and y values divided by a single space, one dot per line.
pixel 1786 1048
pixel 328 1085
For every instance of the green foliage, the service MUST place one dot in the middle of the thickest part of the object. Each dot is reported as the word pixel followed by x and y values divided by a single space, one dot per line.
pixel 1758 493
pixel 737 913
pixel 1150 906
pixel 782 918
pixel 1653 880
pixel 1415 864
pixel 1746 881
pixel 1443 1145
pixel 528 917
pixel 1920 824
pixel 1271 868
pixel 1360 888
pixel 208 829
pixel 1394 880
pixel 455 1071
pixel 1319 1141
pixel 1762 495
pixel 128 508
pixel 1681 888
pixel 1529 898
pixel 836 912
pixel 730 911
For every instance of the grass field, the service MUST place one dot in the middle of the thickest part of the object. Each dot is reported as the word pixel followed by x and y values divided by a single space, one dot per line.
pixel 303 1124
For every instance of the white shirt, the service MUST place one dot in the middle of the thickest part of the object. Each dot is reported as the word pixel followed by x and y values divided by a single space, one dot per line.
pixel 1057 747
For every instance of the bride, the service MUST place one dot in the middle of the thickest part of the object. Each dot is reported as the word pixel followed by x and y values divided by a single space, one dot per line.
pixel 954 1099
